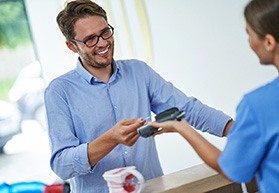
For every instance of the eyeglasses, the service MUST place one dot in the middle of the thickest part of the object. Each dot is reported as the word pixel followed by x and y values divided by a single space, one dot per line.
pixel 93 40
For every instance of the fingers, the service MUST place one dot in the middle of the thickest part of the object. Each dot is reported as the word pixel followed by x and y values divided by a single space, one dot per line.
pixel 159 132
pixel 128 122
pixel 132 139
pixel 159 125
pixel 167 126
pixel 130 136
pixel 126 131
pixel 171 126
pixel 133 125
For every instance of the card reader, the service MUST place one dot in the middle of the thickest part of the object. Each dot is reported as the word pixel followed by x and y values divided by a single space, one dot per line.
pixel 169 114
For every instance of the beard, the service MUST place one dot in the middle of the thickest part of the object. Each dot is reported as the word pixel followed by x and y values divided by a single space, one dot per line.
pixel 92 60
pixel 96 63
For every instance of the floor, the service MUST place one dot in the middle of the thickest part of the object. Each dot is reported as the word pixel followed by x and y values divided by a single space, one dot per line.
pixel 26 157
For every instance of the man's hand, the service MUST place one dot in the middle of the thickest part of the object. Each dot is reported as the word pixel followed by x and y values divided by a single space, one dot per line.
pixel 125 131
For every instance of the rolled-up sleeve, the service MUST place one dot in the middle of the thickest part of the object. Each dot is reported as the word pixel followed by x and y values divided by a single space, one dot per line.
pixel 69 156
pixel 73 162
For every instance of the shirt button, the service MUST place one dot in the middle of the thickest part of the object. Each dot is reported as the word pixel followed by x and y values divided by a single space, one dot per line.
pixel 125 152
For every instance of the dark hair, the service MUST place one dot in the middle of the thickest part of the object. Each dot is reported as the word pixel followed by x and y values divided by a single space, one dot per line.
pixel 263 17
pixel 75 10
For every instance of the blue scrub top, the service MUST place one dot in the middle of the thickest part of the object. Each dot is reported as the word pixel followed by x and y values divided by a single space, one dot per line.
pixel 253 142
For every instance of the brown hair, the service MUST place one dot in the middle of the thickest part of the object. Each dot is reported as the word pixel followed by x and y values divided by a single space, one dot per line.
pixel 75 10
pixel 263 17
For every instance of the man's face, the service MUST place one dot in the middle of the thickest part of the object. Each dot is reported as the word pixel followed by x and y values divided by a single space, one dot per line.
pixel 101 54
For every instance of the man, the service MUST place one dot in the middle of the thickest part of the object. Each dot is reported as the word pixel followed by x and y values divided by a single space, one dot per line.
pixel 93 110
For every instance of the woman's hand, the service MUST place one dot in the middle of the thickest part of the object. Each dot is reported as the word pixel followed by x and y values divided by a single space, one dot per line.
pixel 169 126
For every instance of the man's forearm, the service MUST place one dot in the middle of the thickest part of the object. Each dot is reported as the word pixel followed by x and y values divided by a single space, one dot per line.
pixel 100 147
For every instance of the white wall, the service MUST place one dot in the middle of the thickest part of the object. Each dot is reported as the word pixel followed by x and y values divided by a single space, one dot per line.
pixel 201 46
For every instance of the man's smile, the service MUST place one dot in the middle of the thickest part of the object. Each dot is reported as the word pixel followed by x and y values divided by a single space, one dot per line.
pixel 103 52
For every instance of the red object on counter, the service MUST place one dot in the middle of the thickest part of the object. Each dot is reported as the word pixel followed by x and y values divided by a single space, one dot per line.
pixel 55 188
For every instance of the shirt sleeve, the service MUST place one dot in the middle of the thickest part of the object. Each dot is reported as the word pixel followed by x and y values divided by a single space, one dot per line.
pixel 69 156
pixel 244 149
pixel 164 95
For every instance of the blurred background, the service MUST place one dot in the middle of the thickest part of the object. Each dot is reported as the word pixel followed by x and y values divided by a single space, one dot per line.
pixel 24 151
pixel 200 46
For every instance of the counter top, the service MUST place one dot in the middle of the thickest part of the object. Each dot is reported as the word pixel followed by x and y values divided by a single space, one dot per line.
pixel 197 179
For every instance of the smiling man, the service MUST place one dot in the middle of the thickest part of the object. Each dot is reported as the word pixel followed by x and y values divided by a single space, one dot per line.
pixel 94 110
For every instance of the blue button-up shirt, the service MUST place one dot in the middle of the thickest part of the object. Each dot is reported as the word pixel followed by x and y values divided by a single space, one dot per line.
pixel 80 108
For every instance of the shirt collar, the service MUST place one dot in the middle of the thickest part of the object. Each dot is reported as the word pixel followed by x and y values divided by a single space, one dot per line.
pixel 90 78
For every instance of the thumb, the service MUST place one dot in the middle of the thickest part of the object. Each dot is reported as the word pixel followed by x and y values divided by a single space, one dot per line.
pixel 154 124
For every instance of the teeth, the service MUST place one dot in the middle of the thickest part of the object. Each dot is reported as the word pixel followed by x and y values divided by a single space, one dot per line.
pixel 103 51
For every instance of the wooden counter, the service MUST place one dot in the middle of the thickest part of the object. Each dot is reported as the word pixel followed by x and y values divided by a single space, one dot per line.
pixel 196 179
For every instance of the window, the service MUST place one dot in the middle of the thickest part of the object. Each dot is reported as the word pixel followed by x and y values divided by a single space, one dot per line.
pixel 16 47
pixel 22 120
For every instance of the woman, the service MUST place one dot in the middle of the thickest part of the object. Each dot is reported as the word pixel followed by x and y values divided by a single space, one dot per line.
pixel 253 141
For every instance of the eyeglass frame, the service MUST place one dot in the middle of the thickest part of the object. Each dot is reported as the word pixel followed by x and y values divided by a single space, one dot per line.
pixel 97 36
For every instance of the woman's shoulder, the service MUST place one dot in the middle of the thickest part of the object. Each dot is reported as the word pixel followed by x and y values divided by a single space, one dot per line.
pixel 265 90
pixel 263 96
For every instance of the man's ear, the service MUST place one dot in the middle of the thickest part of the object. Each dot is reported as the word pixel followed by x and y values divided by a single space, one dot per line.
pixel 71 46
pixel 270 42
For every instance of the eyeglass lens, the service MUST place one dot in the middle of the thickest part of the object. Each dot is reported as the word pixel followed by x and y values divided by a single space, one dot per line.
pixel 104 35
